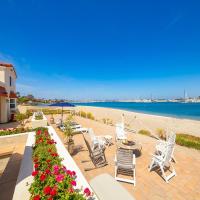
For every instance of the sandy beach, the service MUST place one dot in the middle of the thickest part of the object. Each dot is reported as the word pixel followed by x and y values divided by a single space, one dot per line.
pixel 137 121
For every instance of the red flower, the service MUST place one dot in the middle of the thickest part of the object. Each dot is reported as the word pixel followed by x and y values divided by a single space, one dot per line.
pixel 35 160
pixel 48 161
pixel 73 183
pixel 47 171
pixel 53 192
pixel 38 132
pixel 47 190
pixel 42 177
pixel 71 190
pixel 36 166
pixel 50 198
pixel 37 197
pixel 87 192
pixel 34 173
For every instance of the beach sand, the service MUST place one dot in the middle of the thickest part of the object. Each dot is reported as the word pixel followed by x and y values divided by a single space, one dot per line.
pixel 138 121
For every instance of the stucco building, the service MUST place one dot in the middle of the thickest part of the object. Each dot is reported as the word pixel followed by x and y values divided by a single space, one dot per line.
pixel 7 92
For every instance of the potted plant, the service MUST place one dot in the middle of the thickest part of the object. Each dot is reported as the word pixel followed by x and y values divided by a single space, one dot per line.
pixel 69 136
pixel 52 118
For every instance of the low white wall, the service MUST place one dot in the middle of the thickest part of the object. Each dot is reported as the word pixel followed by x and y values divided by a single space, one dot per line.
pixel 38 123
pixel 25 178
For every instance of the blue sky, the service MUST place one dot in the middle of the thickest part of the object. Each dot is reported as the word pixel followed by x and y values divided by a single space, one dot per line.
pixel 102 49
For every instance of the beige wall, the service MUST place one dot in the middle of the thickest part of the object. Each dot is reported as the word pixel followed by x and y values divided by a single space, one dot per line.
pixel 4 110
pixel 5 73
pixel 2 75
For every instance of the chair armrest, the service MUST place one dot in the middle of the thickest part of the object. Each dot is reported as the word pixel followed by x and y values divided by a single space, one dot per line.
pixel 134 160
pixel 157 157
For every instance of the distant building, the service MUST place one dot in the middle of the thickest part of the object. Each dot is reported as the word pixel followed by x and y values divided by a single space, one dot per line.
pixel 7 92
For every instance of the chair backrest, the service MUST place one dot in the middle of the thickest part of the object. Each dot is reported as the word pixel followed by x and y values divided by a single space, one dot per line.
pixel 172 138
pixel 87 144
pixel 91 134
pixel 124 158
pixel 120 133
pixel 168 154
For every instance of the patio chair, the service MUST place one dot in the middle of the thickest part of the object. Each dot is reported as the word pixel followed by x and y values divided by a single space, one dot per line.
pixel 162 145
pixel 58 122
pixel 97 155
pixel 120 133
pixel 96 140
pixel 125 164
pixel 163 161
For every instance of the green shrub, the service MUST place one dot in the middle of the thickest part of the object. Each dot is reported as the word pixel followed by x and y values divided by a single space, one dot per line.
pixel 144 132
pixel 188 141
pixel 161 133
pixel 20 117
pixel 83 114
pixel 90 116
pixel 38 116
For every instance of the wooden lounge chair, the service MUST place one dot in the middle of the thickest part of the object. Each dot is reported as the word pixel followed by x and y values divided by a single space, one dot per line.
pixel 107 188
pixel 96 155
pixel 125 164
pixel 163 162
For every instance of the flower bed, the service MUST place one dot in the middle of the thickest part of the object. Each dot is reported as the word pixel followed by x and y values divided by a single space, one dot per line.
pixel 38 120
pixel 38 116
pixel 14 131
pixel 52 180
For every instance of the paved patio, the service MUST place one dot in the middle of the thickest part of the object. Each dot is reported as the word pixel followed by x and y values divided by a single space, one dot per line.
pixel 149 185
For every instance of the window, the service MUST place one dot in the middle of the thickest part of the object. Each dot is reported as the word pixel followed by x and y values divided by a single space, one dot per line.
pixel 12 103
pixel 10 81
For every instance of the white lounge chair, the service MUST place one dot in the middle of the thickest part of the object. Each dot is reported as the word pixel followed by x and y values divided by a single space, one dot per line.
pixel 125 163
pixel 96 140
pixel 163 161
pixel 120 133
pixel 162 145
pixel 58 122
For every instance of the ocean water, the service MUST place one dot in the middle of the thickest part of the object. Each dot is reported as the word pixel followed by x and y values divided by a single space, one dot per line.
pixel 178 110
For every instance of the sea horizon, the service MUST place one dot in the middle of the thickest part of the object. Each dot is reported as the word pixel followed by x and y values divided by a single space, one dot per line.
pixel 167 109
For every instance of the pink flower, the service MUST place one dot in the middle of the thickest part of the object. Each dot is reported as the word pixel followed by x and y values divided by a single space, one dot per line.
pixel 87 192
pixel 73 183
pixel 59 178
pixel 73 173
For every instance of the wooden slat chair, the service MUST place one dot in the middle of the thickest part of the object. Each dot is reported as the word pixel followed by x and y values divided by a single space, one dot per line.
pixel 125 164
pixel 97 155
pixel 163 161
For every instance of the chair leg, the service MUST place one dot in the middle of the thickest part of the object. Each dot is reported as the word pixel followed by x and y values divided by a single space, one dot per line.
pixel 163 173
pixel 134 177
pixel 151 165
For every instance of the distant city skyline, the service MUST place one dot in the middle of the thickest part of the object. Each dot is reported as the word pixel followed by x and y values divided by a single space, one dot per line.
pixel 103 50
